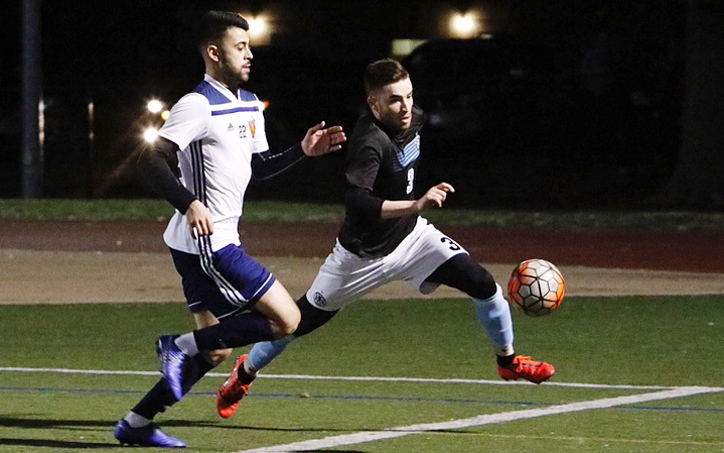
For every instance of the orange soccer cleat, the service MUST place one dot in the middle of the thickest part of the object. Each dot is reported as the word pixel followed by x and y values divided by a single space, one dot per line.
pixel 232 391
pixel 528 369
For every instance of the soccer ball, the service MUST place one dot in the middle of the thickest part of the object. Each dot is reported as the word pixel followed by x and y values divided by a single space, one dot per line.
pixel 536 287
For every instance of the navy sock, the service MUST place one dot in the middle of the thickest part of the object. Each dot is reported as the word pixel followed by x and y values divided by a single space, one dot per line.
pixel 244 377
pixel 160 397
pixel 238 331
pixel 155 401
pixel 504 361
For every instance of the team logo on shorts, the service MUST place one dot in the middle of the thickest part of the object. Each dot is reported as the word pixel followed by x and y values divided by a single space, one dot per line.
pixel 319 299
pixel 252 128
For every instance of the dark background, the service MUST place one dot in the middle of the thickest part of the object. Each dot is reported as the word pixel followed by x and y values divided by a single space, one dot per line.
pixel 570 105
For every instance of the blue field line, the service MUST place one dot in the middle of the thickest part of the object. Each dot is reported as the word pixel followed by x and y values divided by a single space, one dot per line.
pixel 337 397
pixel 388 399
pixel 267 395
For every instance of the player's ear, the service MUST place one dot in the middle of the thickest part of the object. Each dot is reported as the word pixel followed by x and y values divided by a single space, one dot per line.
pixel 373 104
pixel 212 52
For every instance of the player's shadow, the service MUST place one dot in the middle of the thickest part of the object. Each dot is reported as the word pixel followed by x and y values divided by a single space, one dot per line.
pixel 206 424
pixel 280 429
pixel 41 424
pixel 107 426
pixel 48 443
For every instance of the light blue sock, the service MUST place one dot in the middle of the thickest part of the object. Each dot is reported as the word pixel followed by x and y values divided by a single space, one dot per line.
pixel 263 353
pixel 494 316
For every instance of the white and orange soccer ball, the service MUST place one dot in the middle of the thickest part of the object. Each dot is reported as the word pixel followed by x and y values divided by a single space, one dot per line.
pixel 536 287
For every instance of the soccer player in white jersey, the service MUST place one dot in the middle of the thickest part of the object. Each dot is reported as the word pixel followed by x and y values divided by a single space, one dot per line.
pixel 217 135
pixel 383 239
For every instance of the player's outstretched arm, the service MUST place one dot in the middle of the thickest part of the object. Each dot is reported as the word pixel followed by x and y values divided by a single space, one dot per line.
pixel 434 197
pixel 319 141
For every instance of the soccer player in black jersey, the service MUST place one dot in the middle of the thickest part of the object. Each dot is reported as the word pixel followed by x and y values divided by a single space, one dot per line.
pixel 383 238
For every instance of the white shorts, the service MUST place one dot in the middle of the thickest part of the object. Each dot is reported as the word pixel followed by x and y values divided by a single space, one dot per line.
pixel 345 277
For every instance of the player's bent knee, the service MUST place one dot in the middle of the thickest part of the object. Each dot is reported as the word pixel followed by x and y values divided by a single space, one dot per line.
pixel 484 285
pixel 473 278
pixel 289 325
pixel 217 356
pixel 467 275
pixel 280 309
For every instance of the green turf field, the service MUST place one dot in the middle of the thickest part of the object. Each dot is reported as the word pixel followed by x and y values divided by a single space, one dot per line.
pixel 656 350
pixel 272 211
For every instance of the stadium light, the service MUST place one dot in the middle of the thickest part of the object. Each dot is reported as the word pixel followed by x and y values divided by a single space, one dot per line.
pixel 154 106
pixel 165 114
pixel 257 25
pixel 465 25
pixel 150 134
pixel 259 29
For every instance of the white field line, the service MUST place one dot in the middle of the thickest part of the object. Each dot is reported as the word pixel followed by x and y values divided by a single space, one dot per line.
pixel 345 378
pixel 488 419
pixel 579 439
pixel 665 392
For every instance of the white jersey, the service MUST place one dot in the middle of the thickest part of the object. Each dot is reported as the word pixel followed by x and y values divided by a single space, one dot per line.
pixel 217 133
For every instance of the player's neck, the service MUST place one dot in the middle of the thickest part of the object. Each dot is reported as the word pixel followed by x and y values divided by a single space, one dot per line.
pixel 231 85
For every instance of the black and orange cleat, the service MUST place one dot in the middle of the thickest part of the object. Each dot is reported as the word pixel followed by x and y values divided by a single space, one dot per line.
pixel 229 395
pixel 523 367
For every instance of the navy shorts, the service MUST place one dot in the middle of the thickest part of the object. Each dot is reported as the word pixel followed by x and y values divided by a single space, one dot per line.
pixel 224 282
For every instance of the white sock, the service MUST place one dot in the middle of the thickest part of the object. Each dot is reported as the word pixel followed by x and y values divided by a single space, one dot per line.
pixel 136 421
pixel 248 369
pixel 187 343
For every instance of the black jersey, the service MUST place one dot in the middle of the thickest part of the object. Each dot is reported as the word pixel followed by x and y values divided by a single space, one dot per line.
pixel 381 165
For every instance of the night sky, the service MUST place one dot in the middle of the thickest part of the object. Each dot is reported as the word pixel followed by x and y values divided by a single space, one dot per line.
pixel 99 44
pixel 618 53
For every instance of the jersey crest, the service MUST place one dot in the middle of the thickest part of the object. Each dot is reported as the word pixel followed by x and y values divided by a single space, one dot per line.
pixel 252 128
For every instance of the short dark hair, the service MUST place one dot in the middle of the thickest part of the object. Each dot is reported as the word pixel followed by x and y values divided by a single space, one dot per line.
pixel 383 72
pixel 213 25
